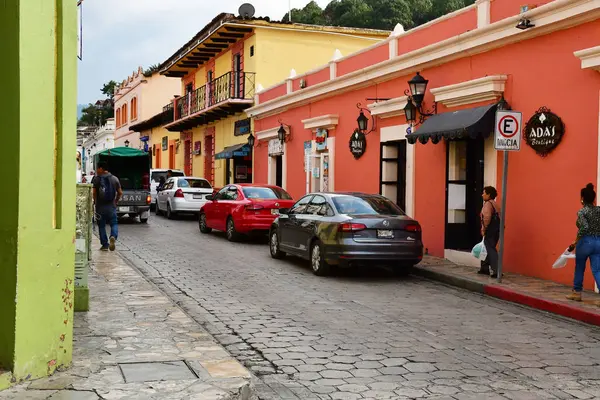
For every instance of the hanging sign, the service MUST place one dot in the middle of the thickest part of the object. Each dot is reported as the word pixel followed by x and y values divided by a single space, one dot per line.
pixel 197 148
pixel 275 147
pixel 321 139
pixel 165 143
pixel 544 131
pixel 358 144
pixel 507 136
pixel 241 127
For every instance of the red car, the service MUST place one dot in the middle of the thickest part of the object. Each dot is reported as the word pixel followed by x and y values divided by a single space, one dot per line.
pixel 243 209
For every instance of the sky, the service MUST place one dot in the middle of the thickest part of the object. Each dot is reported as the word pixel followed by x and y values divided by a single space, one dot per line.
pixel 120 35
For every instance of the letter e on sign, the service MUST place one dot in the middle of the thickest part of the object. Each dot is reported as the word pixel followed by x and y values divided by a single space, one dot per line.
pixel 508 132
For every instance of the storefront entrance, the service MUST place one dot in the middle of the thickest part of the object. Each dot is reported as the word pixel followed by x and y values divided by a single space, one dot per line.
pixel 392 173
pixel 239 169
pixel 464 185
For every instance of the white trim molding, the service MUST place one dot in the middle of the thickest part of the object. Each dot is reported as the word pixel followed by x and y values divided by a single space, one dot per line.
pixel 551 17
pixel 483 12
pixel 590 58
pixel 268 134
pixel 469 92
pixel 388 108
pixel 329 121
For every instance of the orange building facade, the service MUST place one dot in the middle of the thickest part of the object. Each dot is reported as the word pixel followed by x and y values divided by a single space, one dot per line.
pixel 544 61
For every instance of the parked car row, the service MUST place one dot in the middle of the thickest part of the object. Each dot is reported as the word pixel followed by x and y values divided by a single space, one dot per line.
pixel 327 229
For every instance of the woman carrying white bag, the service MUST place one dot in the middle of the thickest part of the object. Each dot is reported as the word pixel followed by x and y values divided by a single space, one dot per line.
pixel 587 244
pixel 490 230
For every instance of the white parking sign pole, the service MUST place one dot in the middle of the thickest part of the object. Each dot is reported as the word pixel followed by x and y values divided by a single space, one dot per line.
pixel 507 138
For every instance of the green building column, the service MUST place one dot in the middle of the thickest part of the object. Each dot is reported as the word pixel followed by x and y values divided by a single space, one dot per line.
pixel 38 73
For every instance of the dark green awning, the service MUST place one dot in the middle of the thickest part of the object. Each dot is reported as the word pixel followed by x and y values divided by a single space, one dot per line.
pixel 462 124
pixel 238 150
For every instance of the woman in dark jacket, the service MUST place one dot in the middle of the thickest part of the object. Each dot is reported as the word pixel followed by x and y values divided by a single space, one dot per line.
pixel 587 244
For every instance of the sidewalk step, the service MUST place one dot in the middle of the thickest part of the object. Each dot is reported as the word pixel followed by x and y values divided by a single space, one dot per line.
pixel 532 292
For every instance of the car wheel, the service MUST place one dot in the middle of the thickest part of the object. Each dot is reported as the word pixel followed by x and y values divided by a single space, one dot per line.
pixel 317 260
pixel 170 213
pixel 157 210
pixel 202 224
pixel 232 234
pixel 274 246
pixel 403 270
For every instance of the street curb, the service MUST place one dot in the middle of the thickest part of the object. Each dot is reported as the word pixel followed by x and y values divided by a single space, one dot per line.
pixel 464 283
pixel 504 293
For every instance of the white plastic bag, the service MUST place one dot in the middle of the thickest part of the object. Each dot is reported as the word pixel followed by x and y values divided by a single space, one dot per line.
pixel 561 261
pixel 479 251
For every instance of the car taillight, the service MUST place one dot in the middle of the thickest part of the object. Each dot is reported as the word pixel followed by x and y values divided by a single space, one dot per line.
pixel 179 193
pixel 348 227
pixel 413 228
pixel 146 182
pixel 148 199
pixel 254 207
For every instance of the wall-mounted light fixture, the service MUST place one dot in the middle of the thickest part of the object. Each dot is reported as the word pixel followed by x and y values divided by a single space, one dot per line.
pixel 127 143
pixel 282 133
pixel 416 94
pixel 251 140
pixel 524 24
pixel 363 120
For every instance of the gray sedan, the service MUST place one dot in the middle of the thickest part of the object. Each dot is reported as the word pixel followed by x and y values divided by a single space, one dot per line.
pixel 347 229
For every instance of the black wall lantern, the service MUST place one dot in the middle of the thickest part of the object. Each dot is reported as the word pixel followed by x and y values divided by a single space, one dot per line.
pixel 416 95
pixel 251 140
pixel 363 121
pixel 282 133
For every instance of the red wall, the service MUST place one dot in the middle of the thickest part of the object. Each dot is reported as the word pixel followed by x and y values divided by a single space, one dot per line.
pixel 364 59
pixel 312 79
pixel 543 196
pixel 273 93
pixel 501 9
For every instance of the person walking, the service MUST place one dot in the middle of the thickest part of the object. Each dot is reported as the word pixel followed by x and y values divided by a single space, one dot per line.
pixel 490 230
pixel 587 243
pixel 106 194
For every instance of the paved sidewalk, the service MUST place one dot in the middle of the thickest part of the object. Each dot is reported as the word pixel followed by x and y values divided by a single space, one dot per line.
pixel 533 292
pixel 136 344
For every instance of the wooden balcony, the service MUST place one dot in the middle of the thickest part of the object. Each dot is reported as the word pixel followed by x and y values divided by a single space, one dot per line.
pixel 227 95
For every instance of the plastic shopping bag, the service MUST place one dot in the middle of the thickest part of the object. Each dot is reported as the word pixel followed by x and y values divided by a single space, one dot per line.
pixel 479 251
pixel 561 261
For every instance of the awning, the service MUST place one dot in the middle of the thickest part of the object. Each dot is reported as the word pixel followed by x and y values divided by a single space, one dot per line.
pixel 463 124
pixel 238 150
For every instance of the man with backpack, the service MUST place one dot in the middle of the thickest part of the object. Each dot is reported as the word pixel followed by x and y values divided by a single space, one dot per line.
pixel 106 193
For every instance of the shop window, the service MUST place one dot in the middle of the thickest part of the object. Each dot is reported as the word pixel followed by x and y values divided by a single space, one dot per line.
pixel 457 187
pixel 392 172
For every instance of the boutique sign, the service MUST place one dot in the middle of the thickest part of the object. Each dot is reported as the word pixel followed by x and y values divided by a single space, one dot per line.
pixel 358 144
pixel 544 131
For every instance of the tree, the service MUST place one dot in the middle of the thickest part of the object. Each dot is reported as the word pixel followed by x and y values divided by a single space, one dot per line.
pixel 97 114
pixel 148 72
pixel 376 14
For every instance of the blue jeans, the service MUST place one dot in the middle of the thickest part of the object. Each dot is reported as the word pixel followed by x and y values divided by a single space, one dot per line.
pixel 107 215
pixel 587 247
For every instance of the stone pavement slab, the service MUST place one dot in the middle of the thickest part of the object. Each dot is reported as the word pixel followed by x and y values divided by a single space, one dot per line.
pixel 134 343
pixel 533 292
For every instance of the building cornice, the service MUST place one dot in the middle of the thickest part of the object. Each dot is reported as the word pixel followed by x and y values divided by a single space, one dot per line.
pixel 550 17
pixel 590 58
pixel 329 121
pixel 389 108
pixel 469 92
pixel 267 134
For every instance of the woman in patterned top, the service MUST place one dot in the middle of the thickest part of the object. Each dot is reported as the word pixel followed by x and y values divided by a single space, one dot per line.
pixel 587 244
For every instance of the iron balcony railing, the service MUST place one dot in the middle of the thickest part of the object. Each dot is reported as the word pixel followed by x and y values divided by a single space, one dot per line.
pixel 231 86
pixel 167 114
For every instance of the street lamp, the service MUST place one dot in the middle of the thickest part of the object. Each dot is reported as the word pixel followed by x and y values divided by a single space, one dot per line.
pixel 363 120
pixel 415 96
pixel 127 143
pixel 410 111
pixel 251 140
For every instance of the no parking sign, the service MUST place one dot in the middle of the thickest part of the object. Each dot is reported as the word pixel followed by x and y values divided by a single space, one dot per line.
pixel 508 134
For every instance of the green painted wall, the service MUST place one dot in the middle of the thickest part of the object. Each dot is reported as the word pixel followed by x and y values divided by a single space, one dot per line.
pixel 9 163
pixel 41 69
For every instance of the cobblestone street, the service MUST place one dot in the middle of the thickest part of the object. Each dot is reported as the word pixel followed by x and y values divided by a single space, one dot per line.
pixel 361 334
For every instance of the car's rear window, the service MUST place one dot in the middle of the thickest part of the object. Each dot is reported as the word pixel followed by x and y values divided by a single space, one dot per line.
pixel 265 193
pixel 157 175
pixel 194 183
pixel 368 205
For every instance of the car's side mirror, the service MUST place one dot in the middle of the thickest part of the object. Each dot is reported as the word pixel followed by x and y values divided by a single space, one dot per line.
pixel 284 211
pixel 210 197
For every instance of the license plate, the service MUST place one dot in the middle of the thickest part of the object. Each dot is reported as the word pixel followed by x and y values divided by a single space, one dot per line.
pixel 275 211
pixel 197 196
pixel 385 234
pixel 123 209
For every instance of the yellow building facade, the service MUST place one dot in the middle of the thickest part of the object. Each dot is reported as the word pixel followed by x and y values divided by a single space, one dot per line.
pixel 221 70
